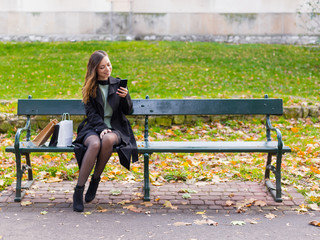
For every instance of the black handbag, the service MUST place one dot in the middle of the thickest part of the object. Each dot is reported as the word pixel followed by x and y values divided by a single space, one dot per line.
pixel 54 137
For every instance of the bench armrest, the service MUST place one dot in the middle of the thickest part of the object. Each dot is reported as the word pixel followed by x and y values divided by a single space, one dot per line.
pixel 18 134
pixel 279 135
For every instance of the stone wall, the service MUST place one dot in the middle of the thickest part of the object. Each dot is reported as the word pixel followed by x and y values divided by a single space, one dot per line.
pixel 52 20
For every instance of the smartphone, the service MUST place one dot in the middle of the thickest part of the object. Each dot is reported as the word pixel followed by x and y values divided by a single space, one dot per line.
pixel 123 83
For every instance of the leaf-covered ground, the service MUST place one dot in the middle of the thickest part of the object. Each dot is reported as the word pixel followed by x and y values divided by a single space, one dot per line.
pixel 301 168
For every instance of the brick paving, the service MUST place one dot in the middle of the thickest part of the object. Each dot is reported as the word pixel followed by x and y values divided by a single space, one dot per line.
pixel 220 197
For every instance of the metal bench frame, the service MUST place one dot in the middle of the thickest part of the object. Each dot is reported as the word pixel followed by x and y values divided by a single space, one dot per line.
pixel 161 107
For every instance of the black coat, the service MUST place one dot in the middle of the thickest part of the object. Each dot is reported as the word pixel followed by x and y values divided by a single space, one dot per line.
pixel 95 123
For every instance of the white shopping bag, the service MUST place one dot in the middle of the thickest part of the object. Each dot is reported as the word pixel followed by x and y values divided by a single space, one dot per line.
pixel 65 131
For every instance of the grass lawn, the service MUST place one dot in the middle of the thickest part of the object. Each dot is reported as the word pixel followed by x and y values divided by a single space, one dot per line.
pixel 177 70
pixel 165 70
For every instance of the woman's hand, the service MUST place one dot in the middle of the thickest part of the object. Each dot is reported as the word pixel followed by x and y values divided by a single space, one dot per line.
pixel 104 132
pixel 122 92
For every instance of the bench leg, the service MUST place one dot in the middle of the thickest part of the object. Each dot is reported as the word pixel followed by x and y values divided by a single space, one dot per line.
pixel 19 172
pixel 278 178
pixel 146 178
pixel 19 178
pixel 267 172
pixel 275 191
pixel 30 175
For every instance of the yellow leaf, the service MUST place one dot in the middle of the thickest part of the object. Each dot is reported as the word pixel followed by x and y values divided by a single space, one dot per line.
pixel 163 163
pixel 26 203
pixel 87 213
pixel 201 213
pixel 54 180
pixel 168 204
pixel 135 169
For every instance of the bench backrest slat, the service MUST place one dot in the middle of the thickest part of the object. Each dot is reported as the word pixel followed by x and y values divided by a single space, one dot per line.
pixel 160 107
pixel 208 107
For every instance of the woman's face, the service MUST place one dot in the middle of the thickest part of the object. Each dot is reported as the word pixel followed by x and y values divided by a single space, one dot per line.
pixel 104 69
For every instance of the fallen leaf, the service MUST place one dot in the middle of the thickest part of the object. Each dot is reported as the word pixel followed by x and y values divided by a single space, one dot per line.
pixel 123 202
pixel 302 209
pixel 54 180
pixel 178 224
pixel 187 190
pixel 241 210
pixel 205 222
pixel 270 216
pixel 240 223
pixel 26 203
pixel 186 196
pixel 52 198
pixel 115 192
pixel 43 212
pixel 229 203
pixel 260 203
pixel 147 204
pixel 139 194
pixel 315 223
pixel 211 222
pixel 314 207
pixel 157 184
pixel 87 213
pixel 101 209
pixel 132 208
pixel 168 204
pixel 201 213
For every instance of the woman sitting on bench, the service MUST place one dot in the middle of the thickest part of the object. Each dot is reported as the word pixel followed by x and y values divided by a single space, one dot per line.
pixel 106 126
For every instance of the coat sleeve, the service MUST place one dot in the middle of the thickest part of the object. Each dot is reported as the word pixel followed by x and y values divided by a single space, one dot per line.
pixel 94 118
pixel 126 104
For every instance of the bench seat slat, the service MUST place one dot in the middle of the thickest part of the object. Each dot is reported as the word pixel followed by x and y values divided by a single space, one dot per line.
pixel 172 146
pixel 217 146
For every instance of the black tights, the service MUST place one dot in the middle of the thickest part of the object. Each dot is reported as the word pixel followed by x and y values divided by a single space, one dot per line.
pixel 98 152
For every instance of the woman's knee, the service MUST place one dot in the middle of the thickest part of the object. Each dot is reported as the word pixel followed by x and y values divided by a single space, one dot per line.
pixel 95 145
pixel 109 139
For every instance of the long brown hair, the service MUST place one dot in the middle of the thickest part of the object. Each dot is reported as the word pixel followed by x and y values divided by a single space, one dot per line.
pixel 90 85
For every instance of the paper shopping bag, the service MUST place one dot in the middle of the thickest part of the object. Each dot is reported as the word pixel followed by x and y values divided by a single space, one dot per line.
pixel 44 135
pixel 65 131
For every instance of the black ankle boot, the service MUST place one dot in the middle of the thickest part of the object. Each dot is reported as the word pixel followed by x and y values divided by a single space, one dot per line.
pixel 78 199
pixel 92 190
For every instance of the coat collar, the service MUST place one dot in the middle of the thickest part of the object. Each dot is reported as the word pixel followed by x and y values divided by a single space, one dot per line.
pixel 113 87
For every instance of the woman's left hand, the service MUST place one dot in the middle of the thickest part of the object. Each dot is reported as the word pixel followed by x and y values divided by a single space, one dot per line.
pixel 104 132
pixel 122 92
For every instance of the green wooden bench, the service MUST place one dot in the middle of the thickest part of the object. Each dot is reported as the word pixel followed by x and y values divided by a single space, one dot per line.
pixel 162 107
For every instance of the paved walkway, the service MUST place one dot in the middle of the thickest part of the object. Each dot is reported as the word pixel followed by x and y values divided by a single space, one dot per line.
pixel 223 197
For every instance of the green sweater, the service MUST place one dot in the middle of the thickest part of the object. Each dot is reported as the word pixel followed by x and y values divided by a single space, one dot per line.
pixel 107 108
